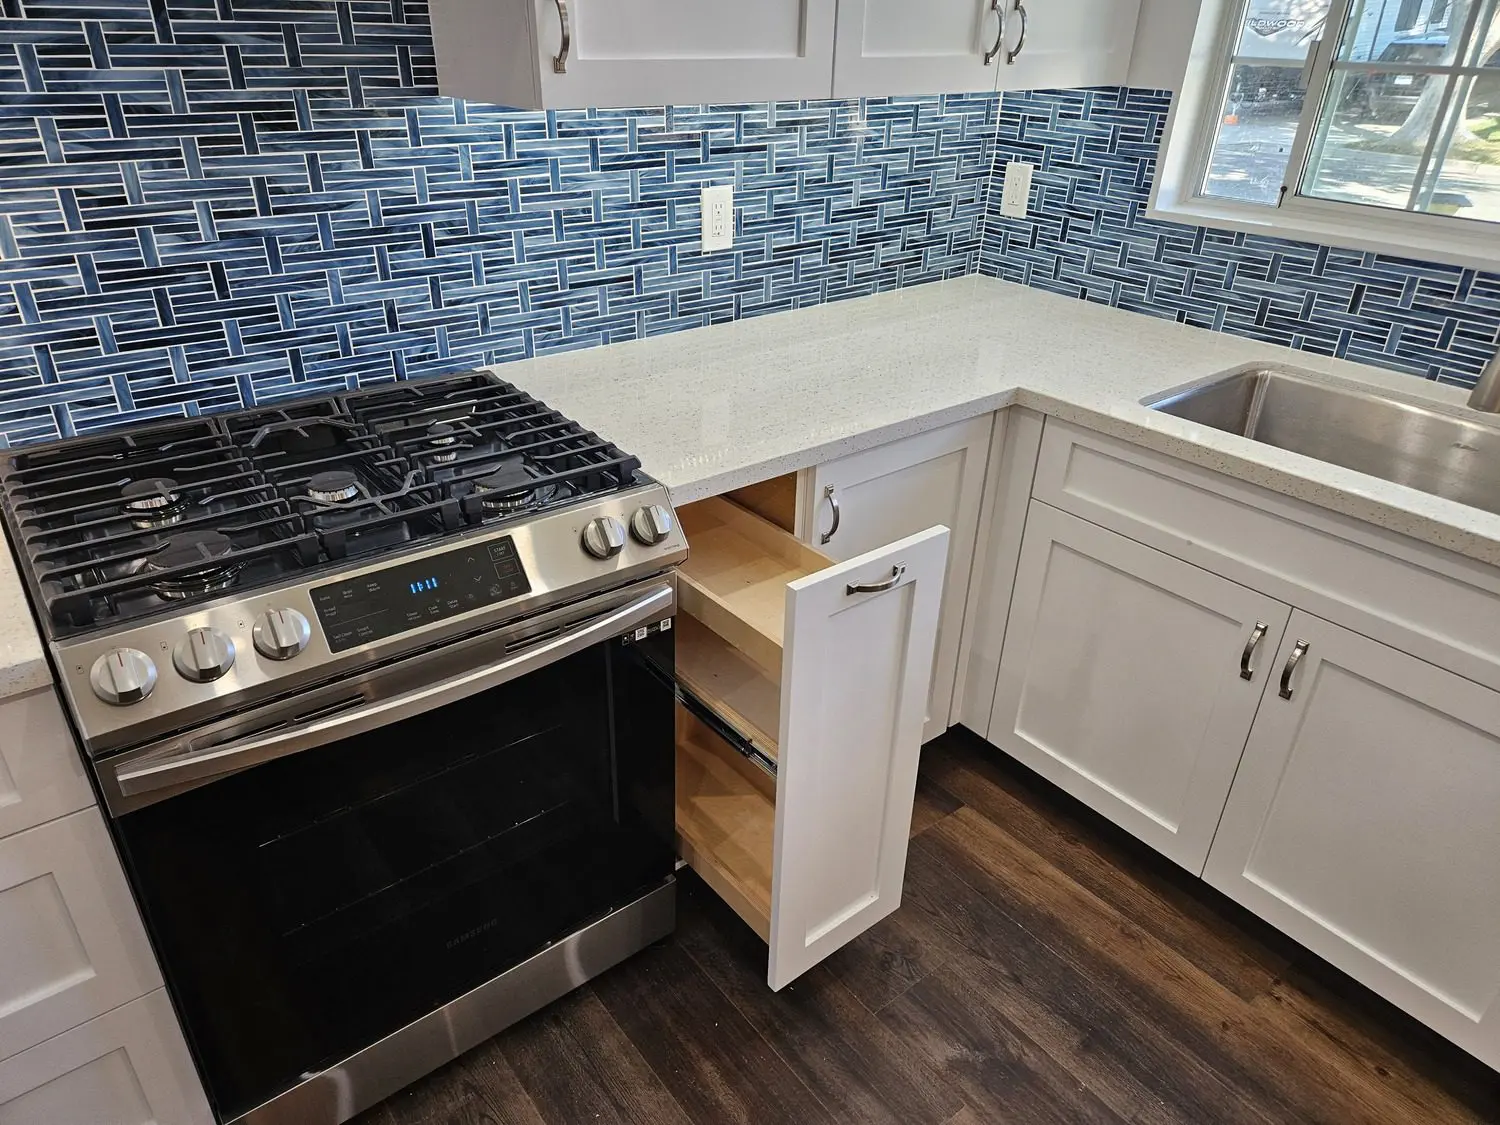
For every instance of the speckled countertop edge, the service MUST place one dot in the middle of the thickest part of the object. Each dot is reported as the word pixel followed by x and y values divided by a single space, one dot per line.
pixel 23 662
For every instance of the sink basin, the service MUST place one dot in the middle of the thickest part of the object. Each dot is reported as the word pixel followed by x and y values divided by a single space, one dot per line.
pixel 1385 437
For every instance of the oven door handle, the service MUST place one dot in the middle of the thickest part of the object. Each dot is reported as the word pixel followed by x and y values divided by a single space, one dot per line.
pixel 231 757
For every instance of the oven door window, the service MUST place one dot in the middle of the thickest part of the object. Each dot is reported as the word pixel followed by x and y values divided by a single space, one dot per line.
pixel 309 906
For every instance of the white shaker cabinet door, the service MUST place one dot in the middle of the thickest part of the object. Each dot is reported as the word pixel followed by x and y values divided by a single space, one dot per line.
pixel 1065 44
pixel 855 673
pixel 900 47
pixel 868 499
pixel 1130 679
pixel 558 54
pixel 41 771
pixel 129 1066
pixel 71 943
pixel 1365 823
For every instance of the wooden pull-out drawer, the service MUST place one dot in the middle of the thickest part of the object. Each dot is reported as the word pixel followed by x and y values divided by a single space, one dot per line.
pixel 794 798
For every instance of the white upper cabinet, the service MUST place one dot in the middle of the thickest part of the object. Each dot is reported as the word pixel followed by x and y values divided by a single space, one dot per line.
pixel 560 54
pixel 900 47
pixel 1060 44
pixel 1363 823
pixel 572 53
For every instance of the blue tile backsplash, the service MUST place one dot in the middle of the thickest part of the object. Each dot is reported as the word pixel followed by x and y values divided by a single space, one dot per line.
pixel 209 203
pixel 1088 236
pixel 206 204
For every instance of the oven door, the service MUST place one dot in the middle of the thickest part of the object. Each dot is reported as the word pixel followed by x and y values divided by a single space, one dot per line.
pixel 319 874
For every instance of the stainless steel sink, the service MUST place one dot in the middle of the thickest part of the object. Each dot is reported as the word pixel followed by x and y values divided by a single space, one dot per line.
pixel 1385 437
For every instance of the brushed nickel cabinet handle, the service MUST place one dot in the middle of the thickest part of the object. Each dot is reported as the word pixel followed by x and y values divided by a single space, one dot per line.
pixel 999 43
pixel 897 573
pixel 1256 636
pixel 833 502
pixel 1012 56
pixel 1298 651
pixel 560 63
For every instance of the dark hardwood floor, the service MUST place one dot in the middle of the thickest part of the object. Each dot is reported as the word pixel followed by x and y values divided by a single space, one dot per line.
pixel 1043 968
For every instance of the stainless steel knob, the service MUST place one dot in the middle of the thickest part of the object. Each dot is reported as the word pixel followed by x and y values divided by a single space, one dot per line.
pixel 651 524
pixel 204 655
pixel 123 676
pixel 604 537
pixel 280 634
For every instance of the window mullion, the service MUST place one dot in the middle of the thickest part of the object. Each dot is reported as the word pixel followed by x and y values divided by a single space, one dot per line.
pixel 1318 74
pixel 1476 9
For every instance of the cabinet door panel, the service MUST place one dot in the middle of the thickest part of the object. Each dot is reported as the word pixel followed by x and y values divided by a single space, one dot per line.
pixel 1121 679
pixel 72 940
pixel 1363 823
pixel 1070 43
pixel 896 490
pixel 128 1067
pixel 651 52
pixel 855 678
pixel 897 47
pixel 41 771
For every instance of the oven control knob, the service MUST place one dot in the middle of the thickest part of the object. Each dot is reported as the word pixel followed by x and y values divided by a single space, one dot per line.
pixel 604 538
pixel 123 676
pixel 280 634
pixel 204 655
pixel 651 524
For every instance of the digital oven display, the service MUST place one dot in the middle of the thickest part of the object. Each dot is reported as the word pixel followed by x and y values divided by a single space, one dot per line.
pixel 387 602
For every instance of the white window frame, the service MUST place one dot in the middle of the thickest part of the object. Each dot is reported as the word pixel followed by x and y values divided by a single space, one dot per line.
pixel 1188 145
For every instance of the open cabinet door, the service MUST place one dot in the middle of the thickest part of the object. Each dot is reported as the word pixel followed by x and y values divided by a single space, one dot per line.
pixel 856 670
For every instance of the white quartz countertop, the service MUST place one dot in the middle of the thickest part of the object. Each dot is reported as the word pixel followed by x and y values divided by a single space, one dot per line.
pixel 713 409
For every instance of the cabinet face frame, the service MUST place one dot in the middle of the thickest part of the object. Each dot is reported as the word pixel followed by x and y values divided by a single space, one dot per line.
pixel 861 70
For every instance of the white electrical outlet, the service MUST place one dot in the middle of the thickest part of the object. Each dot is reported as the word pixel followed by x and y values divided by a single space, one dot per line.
pixel 718 218
pixel 1015 198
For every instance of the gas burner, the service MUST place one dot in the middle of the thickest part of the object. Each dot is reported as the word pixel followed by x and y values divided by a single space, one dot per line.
pixel 152 502
pixel 185 549
pixel 511 488
pixel 335 486
pixel 441 436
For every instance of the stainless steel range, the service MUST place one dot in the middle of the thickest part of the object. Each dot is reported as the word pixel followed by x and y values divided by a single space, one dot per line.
pixel 377 691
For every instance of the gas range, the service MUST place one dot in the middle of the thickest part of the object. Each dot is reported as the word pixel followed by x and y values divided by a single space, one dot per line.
pixel 189 571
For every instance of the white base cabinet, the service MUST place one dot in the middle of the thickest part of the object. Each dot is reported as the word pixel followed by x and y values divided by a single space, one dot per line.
pixel 1365 823
pixel 868 499
pixel 1130 679
pixel 129 1066
pixel 820 671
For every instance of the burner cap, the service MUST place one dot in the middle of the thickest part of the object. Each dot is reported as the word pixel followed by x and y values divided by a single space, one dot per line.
pixel 334 486
pixel 206 547
pixel 441 436
pixel 150 494
pixel 509 487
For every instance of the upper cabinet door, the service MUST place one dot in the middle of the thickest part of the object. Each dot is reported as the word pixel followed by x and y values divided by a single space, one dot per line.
pixel 1130 679
pixel 1062 44
pixel 1363 823
pixel 559 54
pixel 900 47
pixel 883 494
pixel 858 655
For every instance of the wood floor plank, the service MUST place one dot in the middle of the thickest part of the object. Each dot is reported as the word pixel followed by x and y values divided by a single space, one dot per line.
pixel 889 959
pixel 1256 1054
pixel 852 1063
pixel 1167 902
pixel 716 1064
pixel 932 804
pixel 1131 1064
pixel 577 1065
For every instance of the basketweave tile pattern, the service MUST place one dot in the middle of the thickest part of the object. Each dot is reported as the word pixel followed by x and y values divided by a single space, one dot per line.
pixel 206 204
pixel 1088 236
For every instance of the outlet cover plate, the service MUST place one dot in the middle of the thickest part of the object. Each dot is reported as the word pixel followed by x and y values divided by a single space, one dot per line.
pixel 718 218
pixel 1015 197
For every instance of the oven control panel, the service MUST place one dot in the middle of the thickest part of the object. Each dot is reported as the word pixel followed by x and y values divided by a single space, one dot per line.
pixel 386 602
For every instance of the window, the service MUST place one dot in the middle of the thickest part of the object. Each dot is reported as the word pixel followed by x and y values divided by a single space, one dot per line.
pixel 1373 115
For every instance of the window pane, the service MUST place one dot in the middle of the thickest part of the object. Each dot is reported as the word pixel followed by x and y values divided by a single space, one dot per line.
pixel 1281 29
pixel 1466 169
pixel 1414 31
pixel 1255 133
pixel 1369 148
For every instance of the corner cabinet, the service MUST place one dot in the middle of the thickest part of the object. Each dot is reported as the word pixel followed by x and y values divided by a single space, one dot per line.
pixel 804 684
pixel 1363 823
pixel 559 54
pixel 1130 679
